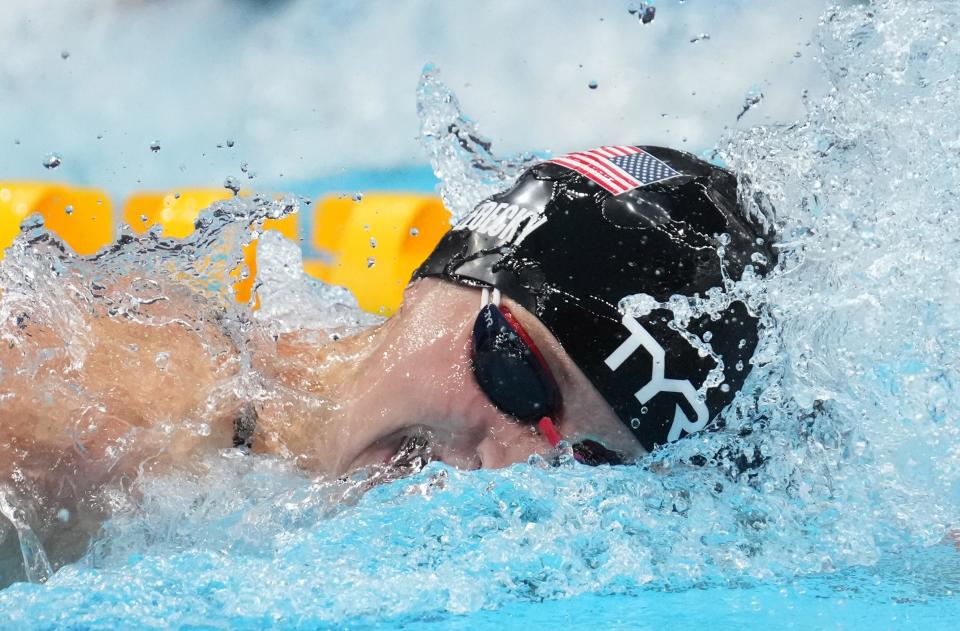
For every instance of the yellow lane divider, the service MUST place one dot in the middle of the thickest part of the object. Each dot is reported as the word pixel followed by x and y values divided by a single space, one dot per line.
pixel 177 212
pixel 373 245
pixel 376 243
pixel 83 217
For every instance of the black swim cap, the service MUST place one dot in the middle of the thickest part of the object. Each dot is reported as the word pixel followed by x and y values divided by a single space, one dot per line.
pixel 577 234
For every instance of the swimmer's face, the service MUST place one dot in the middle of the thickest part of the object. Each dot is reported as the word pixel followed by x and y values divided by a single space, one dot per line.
pixel 420 384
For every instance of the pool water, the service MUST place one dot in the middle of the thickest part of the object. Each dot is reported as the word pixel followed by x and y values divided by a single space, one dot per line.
pixel 852 401
pixel 476 557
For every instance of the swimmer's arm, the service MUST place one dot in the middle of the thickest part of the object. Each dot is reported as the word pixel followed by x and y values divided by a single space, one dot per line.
pixel 91 406
pixel 151 388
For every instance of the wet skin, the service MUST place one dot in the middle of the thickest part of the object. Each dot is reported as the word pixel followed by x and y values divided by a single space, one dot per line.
pixel 112 406
pixel 413 375
pixel 80 416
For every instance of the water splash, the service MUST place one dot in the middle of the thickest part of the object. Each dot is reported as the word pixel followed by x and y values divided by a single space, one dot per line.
pixel 753 98
pixel 57 307
pixel 461 157
pixel 841 449
pixel 36 566
pixel 52 161
pixel 864 194
pixel 290 300
pixel 852 402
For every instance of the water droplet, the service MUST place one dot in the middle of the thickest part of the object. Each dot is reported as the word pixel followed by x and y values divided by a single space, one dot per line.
pixel 644 410
pixel 759 258
pixel 797 55
pixel 635 423
pixel 739 365
pixel 357 197
pixel 373 242
pixel 742 343
pixel 63 515
pixel 68 209
pixel 64 54
pixel 99 136
pixel 592 85
pixel 366 227
pixel 231 184
pixel 699 38
pixel 750 101
pixel 371 262
pixel 724 238
pixel 162 360
pixel 724 387
pixel 176 195
pixel 16 141
pixel 143 218
pixel 707 336
pixel 648 14
pixel 414 232
pixel 155 146
pixel 230 142
pixel 52 161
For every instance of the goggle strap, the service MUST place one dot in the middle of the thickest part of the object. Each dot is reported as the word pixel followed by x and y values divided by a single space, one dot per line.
pixel 522 332
pixel 549 431
pixel 486 299
pixel 553 436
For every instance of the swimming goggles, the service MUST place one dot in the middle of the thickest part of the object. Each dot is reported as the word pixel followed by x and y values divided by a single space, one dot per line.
pixel 512 372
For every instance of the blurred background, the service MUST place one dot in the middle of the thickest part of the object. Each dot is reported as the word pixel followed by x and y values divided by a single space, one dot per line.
pixel 311 95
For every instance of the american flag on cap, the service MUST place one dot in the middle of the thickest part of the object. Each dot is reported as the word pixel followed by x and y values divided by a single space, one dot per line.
pixel 617 169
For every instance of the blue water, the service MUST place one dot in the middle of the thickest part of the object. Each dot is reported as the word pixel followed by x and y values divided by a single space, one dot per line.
pixel 854 601
pixel 463 564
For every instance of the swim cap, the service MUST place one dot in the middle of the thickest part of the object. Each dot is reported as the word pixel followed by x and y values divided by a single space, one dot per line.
pixel 577 234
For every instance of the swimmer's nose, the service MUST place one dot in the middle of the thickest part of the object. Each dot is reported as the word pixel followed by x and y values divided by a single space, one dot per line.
pixel 509 442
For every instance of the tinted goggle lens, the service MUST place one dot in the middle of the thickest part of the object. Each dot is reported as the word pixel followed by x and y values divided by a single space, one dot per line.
pixel 516 379
pixel 509 370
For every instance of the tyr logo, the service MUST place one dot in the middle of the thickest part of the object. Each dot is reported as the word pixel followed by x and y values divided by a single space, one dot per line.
pixel 658 383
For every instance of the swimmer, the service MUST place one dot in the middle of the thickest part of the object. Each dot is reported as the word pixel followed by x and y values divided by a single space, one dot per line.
pixel 510 339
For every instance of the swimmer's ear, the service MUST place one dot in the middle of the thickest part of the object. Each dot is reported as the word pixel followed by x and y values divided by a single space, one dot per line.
pixel 409 291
